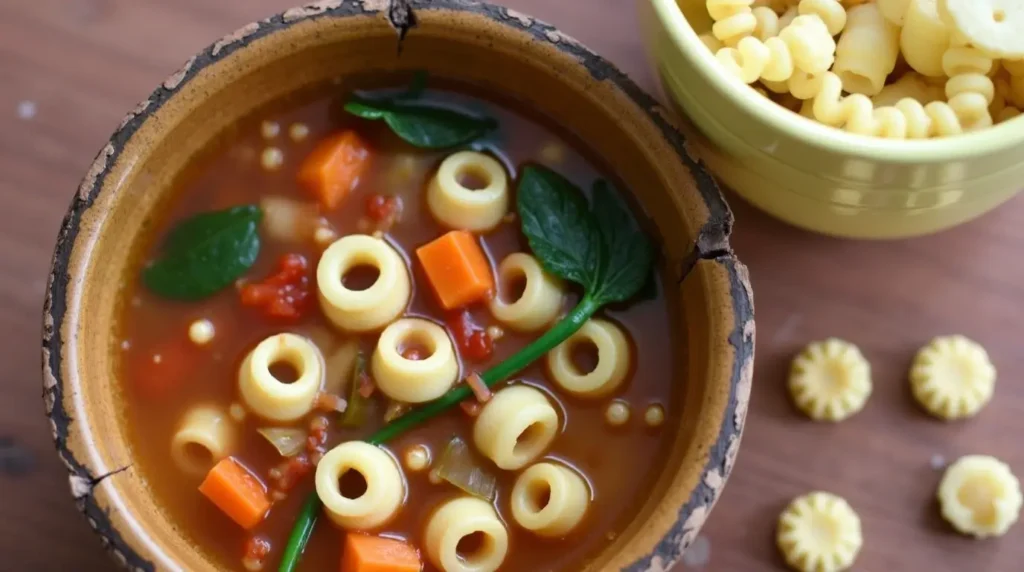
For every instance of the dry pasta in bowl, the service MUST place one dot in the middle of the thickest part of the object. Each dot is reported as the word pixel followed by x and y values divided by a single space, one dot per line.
pixel 843 61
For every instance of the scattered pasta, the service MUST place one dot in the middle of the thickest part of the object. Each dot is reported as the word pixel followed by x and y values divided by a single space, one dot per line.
pixel 819 532
pixel 830 380
pixel 980 496
pixel 952 377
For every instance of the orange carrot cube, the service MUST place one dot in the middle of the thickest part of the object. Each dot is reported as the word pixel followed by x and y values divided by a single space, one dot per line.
pixel 457 269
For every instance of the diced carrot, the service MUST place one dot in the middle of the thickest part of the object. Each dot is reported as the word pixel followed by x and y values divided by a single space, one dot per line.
pixel 333 168
pixel 366 553
pixel 237 492
pixel 457 269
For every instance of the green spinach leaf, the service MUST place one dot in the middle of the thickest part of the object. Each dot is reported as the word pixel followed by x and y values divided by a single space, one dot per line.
pixel 559 227
pixel 629 256
pixel 424 126
pixel 206 253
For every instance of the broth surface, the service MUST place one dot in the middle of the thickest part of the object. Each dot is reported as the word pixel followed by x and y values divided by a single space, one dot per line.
pixel 620 463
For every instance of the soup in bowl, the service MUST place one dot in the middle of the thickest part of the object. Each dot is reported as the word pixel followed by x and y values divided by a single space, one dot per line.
pixel 341 294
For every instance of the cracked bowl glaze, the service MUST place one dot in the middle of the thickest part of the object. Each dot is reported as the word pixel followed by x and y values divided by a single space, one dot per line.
pixel 814 176
pixel 541 67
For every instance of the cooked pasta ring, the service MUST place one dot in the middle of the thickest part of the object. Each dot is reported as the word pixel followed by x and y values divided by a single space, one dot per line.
pixel 515 427
pixel 204 436
pixel 549 499
pixel 372 308
pixel 613 360
pixel 414 381
pixel 459 207
pixel 541 300
pixel 275 399
pixel 460 518
pixel 385 486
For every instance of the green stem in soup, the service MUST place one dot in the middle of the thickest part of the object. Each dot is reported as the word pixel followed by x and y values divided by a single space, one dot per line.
pixel 599 247
pixel 300 533
pixel 206 253
pixel 355 414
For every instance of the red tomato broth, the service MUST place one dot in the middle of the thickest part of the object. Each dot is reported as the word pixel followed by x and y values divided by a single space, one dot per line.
pixel 229 174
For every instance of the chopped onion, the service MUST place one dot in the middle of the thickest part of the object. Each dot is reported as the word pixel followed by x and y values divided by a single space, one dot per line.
pixel 338 367
pixel 480 389
pixel 355 413
pixel 288 220
pixel 321 336
pixel 458 467
pixel 395 410
pixel 288 442
pixel 330 402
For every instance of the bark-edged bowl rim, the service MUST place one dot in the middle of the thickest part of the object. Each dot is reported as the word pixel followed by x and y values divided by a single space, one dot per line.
pixel 710 245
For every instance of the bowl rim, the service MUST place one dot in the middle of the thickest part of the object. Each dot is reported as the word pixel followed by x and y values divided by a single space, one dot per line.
pixel 1002 137
pixel 711 245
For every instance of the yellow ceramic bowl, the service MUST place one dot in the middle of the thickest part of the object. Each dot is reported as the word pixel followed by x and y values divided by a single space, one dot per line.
pixel 814 176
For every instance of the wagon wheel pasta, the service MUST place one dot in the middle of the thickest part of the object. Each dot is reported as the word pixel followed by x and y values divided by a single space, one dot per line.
pixel 980 496
pixel 819 532
pixel 830 380
pixel 952 377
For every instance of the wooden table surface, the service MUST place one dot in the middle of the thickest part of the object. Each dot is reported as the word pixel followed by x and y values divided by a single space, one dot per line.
pixel 70 69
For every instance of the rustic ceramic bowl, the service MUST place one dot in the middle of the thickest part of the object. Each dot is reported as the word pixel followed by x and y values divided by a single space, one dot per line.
pixel 540 66
pixel 816 177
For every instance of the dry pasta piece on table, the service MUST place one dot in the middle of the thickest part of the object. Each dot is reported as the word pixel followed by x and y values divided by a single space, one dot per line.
pixel 980 496
pixel 830 380
pixel 992 25
pixel 819 532
pixel 952 377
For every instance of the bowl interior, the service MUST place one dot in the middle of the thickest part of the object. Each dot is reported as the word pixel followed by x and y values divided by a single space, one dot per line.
pixel 546 71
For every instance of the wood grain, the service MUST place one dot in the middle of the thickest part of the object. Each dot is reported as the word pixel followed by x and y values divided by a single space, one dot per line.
pixel 83 63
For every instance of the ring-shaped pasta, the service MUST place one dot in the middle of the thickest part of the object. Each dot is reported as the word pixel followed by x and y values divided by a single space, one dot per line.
pixel 204 436
pixel 613 360
pixel 515 427
pixel 542 298
pixel 385 486
pixel 272 398
pixel 414 381
pixel 362 310
pixel 458 207
pixel 460 518
pixel 549 499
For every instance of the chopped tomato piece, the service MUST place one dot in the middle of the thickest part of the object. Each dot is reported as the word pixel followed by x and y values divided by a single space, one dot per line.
pixel 382 208
pixel 474 343
pixel 257 548
pixel 285 295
